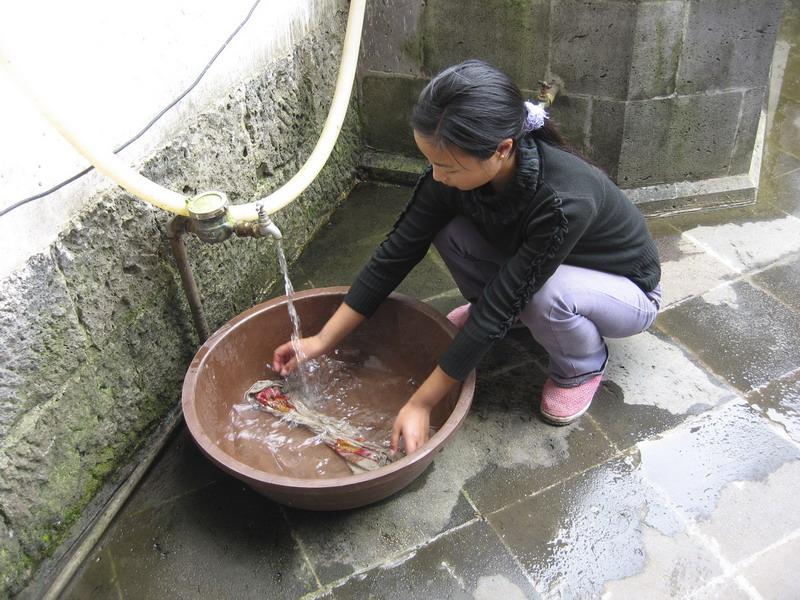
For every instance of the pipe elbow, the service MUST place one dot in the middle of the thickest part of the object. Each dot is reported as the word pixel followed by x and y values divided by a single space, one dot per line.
pixel 177 226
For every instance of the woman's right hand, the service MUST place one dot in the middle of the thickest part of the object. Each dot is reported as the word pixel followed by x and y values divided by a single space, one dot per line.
pixel 343 321
pixel 284 359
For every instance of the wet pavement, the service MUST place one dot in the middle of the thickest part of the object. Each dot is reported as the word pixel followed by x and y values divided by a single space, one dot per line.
pixel 680 481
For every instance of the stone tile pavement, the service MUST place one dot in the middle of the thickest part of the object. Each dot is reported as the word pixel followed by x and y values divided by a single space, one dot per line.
pixel 681 481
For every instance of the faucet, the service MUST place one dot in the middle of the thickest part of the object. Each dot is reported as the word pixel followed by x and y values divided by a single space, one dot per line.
pixel 548 91
pixel 266 226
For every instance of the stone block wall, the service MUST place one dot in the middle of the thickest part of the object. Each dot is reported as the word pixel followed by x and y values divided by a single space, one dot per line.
pixel 654 91
pixel 96 334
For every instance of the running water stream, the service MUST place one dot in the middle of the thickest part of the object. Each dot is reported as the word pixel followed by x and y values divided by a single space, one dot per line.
pixel 310 391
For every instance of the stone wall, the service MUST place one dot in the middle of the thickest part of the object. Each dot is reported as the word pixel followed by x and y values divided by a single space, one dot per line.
pixel 656 92
pixel 95 331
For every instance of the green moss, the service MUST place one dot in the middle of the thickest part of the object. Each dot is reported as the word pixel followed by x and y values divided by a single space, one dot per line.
pixel 106 462
pixel 15 568
pixel 82 458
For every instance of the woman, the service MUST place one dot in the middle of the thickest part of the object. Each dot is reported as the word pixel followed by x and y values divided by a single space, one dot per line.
pixel 531 233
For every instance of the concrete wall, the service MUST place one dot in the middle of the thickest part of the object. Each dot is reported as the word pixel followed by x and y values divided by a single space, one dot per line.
pixel 656 92
pixel 94 330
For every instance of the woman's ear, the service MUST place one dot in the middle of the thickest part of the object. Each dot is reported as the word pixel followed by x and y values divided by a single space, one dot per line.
pixel 505 147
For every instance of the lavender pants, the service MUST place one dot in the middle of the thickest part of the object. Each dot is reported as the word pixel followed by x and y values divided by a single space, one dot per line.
pixel 569 315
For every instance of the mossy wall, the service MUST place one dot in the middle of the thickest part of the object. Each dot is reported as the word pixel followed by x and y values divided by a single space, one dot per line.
pixel 96 334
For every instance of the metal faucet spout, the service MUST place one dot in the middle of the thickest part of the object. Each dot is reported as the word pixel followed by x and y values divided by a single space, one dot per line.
pixel 266 226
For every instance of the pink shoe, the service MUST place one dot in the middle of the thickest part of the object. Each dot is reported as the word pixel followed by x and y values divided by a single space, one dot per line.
pixel 458 316
pixel 562 405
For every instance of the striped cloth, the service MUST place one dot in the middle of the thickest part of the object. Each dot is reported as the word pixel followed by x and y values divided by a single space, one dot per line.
pixel 344 439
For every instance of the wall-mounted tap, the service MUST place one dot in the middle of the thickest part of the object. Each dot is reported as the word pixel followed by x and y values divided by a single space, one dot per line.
pixel 265 225
pixel 548 91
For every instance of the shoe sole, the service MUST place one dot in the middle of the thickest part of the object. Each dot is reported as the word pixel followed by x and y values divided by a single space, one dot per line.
pixel 560 421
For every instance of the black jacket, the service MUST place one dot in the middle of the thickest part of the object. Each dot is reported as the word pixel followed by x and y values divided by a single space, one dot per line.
pixel 559 209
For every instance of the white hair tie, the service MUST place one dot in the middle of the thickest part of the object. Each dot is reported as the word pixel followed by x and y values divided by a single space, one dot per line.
pixel 536 116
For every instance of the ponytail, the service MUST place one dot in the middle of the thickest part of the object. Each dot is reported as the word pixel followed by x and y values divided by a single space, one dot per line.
pixel 474 106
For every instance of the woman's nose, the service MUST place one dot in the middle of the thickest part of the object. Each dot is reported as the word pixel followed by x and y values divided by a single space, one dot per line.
pixel 437 176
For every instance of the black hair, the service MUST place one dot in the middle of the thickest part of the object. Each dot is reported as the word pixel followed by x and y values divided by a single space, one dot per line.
pixel 474 106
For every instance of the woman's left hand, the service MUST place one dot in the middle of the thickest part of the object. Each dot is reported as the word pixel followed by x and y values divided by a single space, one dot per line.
pixel 412 423
pixel 414 419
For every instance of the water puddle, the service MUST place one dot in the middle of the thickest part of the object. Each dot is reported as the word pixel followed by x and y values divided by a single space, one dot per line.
pixel 740 246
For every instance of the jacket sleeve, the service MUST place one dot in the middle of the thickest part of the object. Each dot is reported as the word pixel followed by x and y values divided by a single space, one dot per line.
pixel 428 211
pixel 551 231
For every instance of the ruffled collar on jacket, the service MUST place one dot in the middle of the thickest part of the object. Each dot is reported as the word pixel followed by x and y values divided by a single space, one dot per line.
pixel 505 207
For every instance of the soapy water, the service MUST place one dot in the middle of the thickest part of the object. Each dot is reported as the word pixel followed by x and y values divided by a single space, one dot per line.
pixel 353 386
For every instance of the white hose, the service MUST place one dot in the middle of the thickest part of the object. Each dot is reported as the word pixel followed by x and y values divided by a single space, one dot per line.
pixel 330 131
pixel 108 163
pixel 113 167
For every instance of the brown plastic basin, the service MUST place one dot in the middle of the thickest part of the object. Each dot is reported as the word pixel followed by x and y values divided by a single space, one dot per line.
pixel 412 334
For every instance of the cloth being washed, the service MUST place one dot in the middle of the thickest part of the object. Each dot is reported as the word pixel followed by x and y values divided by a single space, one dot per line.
pixel 344 439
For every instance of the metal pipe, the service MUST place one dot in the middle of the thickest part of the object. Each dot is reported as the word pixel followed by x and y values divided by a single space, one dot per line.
pixel 177 226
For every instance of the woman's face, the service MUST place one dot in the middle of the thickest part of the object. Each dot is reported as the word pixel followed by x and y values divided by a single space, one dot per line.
pixel 455 168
